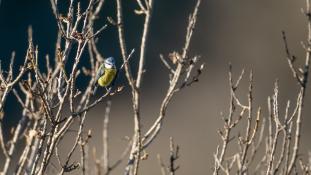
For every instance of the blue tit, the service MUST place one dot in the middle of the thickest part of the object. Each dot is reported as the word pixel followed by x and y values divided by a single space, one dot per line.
pixel 107 73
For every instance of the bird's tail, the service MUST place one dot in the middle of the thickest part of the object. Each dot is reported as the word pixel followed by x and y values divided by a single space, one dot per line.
pixel 95 89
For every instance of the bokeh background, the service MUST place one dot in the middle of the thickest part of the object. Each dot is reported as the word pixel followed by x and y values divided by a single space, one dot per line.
pixel 245 33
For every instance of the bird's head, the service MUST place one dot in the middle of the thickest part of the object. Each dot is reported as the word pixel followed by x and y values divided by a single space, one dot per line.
pixel 110 63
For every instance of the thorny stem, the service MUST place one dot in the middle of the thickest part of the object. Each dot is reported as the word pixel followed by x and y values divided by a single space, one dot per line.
pixel 153 131
pixel 271 156
pixel 137 149
pixel 135 152
pixel 302 92
pixel 8 85
pixel 127 68
pixel 228 124
pixel 174 155
pixel 144 38
pixel 249 122
pixel 105 138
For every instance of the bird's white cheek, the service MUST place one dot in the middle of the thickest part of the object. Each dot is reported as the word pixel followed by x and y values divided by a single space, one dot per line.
pixel 108 66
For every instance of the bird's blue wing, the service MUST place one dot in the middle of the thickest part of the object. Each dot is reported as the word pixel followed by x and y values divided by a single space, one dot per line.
pixel 100 72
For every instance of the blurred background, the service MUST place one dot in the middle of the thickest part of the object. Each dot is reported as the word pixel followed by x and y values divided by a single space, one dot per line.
pixel 246 34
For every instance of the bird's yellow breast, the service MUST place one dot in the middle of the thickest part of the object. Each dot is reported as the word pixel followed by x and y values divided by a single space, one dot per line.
pixel 107 77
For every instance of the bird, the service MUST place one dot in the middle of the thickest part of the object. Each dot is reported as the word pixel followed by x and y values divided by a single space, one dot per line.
pixel 106 74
